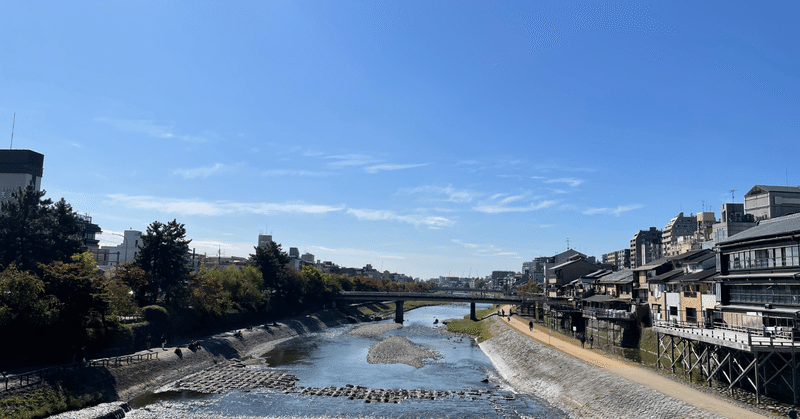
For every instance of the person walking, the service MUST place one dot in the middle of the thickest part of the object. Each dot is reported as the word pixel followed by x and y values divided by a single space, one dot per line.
pixel 591 341
pixel 583 340
pixel 530 326
pixel 163 342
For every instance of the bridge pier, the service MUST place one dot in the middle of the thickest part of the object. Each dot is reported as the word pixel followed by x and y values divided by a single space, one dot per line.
pixel 398 311
pixel 472 312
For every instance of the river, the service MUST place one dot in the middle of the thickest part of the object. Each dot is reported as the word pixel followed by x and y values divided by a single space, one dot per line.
pixel 334 358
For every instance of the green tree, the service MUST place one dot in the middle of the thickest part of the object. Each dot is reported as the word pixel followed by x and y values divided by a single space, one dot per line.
pixel 34 231
pixel 79 295
pixel 163 258
pixel 135 279
pixel 270 260
pixel 208 296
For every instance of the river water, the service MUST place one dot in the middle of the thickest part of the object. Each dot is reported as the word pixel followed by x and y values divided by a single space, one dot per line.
pixel 335 358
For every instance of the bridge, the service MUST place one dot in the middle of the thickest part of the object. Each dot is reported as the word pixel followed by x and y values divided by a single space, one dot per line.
pixel 400 297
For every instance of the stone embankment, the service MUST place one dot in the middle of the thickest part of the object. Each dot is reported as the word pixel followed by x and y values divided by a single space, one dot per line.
pixel 578 388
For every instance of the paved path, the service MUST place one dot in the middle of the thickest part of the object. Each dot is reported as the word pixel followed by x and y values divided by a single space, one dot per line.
pixel 637 374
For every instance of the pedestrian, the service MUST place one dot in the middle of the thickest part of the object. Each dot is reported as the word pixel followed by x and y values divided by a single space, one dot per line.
pixel 591 341
pixel 502 312
pixel 163 342
pixel 583 340
pixel 530 325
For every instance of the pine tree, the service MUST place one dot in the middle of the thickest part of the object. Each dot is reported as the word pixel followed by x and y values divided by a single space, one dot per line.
pixel 163 258
pixel 34 231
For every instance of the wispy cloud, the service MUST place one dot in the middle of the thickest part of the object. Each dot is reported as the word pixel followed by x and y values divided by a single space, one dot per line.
pixel 613 211
pixel 389 167
pixel 216 208
pixel 467 245
pixel 500 203
pixel 370 164
pixel 200 172
pixel 301 173
pixel 483 250
pixel 150 128
pixel 571 181
pixel 347 160
pixel 452 194
pixel 430 221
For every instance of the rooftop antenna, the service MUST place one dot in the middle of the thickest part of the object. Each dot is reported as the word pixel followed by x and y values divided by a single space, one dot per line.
pixel 14 122
pixel 732 191
pixel 567 243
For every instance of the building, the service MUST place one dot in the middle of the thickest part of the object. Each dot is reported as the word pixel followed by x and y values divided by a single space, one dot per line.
pixel 567 272
pixel 764 202
pixel 18 169
pixel 307 258
pixel 264 240
pixel 645 247
pixel 90 231
pixel 294 253
pixel 618 260
pixel 732 220
pixel 759 269
pixel 124 252
pixel 678 226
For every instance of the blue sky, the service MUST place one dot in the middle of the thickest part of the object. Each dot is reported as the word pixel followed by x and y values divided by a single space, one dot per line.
pixel 428 138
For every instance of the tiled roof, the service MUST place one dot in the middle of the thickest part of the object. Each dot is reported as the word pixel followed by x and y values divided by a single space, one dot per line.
pixel 666 275
pixel 622 276
pixel 773 227
pixel 695 276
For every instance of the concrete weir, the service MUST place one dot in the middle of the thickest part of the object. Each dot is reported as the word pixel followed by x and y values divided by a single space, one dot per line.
pixel 235 375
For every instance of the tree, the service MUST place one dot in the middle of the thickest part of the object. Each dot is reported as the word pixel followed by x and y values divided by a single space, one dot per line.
pixel 269 260
pixel 34 231
pixel 79 296
pixel 163 258
pixel 135 279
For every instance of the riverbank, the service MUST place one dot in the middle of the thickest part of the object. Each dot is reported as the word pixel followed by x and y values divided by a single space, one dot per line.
pixel 123 383
pixel 586 384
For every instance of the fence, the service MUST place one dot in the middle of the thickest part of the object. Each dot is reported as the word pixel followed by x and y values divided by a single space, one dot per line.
pixel 34 377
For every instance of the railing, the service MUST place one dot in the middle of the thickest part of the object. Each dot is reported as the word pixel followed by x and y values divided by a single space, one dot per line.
pixel 752 336
pixel 595 313
pixel 33 377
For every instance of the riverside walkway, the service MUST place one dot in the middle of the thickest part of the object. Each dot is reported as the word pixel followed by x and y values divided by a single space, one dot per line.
pixel 636 374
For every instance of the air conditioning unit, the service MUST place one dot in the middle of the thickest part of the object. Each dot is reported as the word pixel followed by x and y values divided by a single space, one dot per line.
pixel 768 306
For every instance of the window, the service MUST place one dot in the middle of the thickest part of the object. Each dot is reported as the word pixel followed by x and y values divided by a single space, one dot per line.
pixel 691 315
pixel 673 311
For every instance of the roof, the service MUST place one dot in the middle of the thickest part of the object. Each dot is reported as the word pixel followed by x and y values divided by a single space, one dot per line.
pixel 600 298
pixel 699 254
pixel 788 224
pixel 598 274
pixel 563 264
pixel 755 190
pixel 695 276
pixel 666 275
pixel 652 265
pixel 619 277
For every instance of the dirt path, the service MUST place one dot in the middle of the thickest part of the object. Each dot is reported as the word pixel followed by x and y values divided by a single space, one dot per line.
pixel 636 373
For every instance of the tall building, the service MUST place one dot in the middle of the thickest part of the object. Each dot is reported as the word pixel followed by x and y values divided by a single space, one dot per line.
pixel 264 240
pixel 645 247
pixel 18 168
pixel 678 226
pixel 765 201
